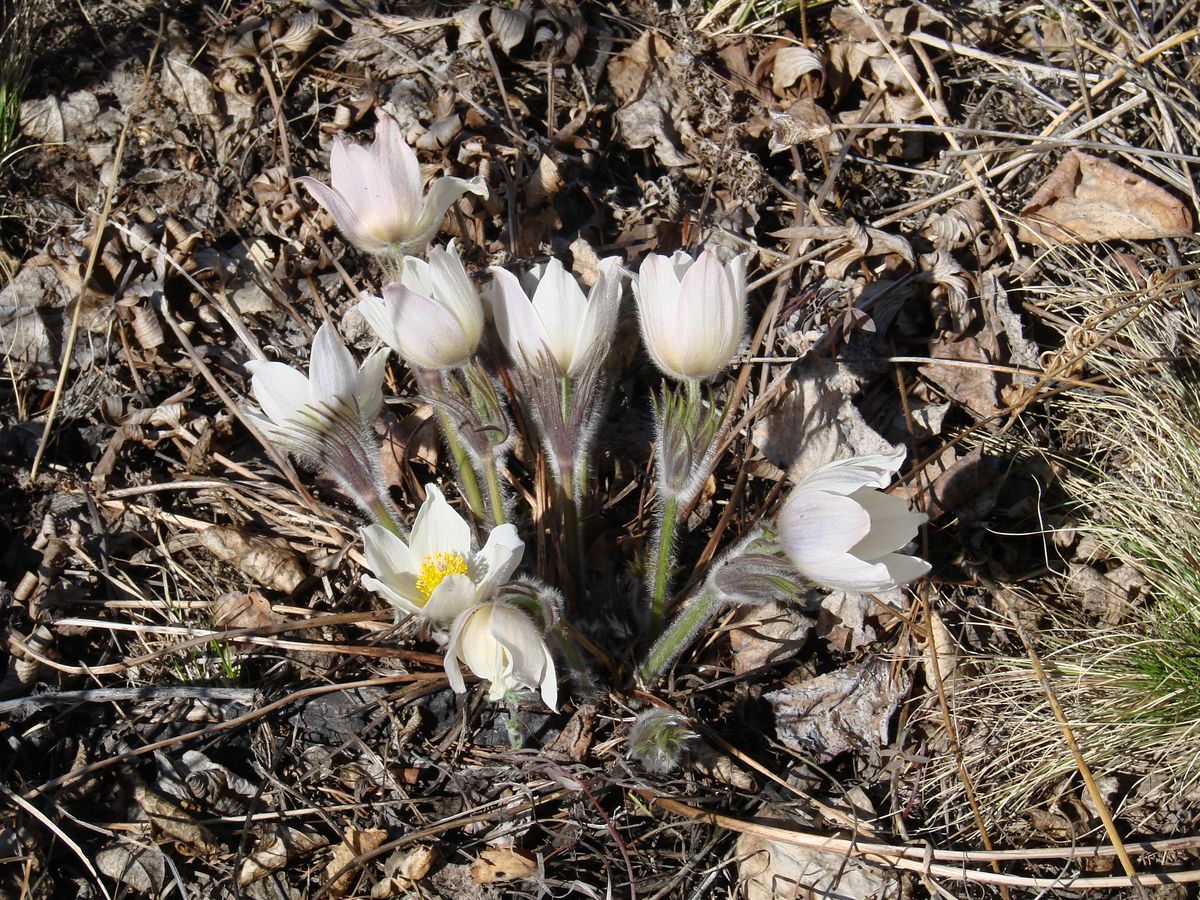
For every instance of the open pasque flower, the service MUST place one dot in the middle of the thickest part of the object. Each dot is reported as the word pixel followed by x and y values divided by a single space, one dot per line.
pixel 557 318
pixel 502 645
pixel 841 532
pixel 433 316
pixel 376 198
pixel 693 314
pixel 436 574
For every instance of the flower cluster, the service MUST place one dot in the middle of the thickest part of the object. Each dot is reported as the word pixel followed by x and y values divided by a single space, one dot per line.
pixel 459 577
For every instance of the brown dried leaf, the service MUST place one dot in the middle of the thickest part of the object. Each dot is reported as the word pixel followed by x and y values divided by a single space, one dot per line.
pixel 628 70
pixel 792 64
pixel 141 867
pixel 237 610
pixel 500 864
pixel 269 561
pixel 172 820
pixel 276 849
pixel 767 870
pixel 973 386
pixel 1091 199
pixel 767 634
pixel 355 843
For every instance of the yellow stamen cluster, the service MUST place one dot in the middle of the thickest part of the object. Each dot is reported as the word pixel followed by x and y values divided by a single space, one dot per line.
pixel 437 566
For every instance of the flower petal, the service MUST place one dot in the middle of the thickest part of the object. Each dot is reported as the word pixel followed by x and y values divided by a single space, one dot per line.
pixel 281 391
pixel 657 293
pixel 377 313
pixel 344 215
pixel 398 164
pixel 893 524
pixel 402 603
pixel 332 375
pixel 518 324
pixel 845 476
pixel 849 573
pixel 443 192
pixel 500 557
pixel 453 594
pixel 477 646
pixel 439 529
pixel 815 526
pixel 904 569
pixel 453 672
pixel 423 331
pixel 387 555
pixel 368 391
pixel 561 305
pixel 452 287
pixel 711 324
pixel 530 662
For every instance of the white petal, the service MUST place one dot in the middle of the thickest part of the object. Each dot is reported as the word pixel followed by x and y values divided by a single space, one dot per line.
pixel 815 526
pixel 439 529
pixel 377 313
pixel 519 327
pixel 452 287
pixel 402 603
pixel 710 318
pixel 561 305
pixel 344 215
pixel 368 390
pixel 415 276
pixel 893 524
pixel 453 594
pixel 367 190
pixel 845 476
pixel 386 554
pixel 477 646
pixel 424 331
pixel 442 193
pixel 516 632
pixel 281 391
pixel 332 374
pixel 500 557
pixel 904 569
pixel 398 166
pixel 849 573
pixel 656 291
pixel 453 672
pixel 549 681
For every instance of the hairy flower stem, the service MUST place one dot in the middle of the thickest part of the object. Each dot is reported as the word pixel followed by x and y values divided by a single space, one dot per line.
pixel 491 474
pixel 679 634
pixel 664 558
pixel 462 464
pixel 572 547
pixel 385 514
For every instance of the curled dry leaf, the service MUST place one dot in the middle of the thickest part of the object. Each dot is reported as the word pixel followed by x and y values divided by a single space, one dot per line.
pixel 767 870
pixel 766 634
pixel 187 86
pixel 1089 199
pixel 802 122
pixel 140 867
pixel 269 561
pixel 355 843
pixel 172 820
pixel 499 864
pixel 237 610
pixel 792 64
pixel 277 847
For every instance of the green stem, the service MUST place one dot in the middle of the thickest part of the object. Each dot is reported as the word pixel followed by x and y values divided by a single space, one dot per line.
pixel 679 634
pixel 663 561
pixel 495 496
pixel 462 463
pixel 386 516
pixel 572 543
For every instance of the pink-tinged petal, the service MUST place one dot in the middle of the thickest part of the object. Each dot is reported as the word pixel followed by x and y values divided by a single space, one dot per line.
pixel 893 524
pixel 402 603
pixel 815 526
pixel 453 594
pixel 442 193
pixel 332 374
pixel 681 261
pixel 368 391
pixel 357 178
pixel 397 162
pixel 344 216
pixel 561 305
pixel 281 391
pixel 849 573
pixel 845 476
pixel 519 327
pixel 500 557
pixel 424 331
pixel 439 529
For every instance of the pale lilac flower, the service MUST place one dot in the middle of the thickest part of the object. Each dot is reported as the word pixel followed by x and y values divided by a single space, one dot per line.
pixel 376 198
pixel 433 316
pixel 841 532
pixel 557 319
pixel 693 314
pixel 503 646
pixel 436 574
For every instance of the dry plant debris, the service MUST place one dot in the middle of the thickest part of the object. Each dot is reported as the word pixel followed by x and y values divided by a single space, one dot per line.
pixel 968 235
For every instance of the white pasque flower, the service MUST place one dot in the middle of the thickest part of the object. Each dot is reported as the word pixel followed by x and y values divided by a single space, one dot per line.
pixel 304 413
pixel 502 645
pixel 842 533
pixel 436 574
pixel 693 314
pixel 433 316
pixel 376 197
pixel 557 318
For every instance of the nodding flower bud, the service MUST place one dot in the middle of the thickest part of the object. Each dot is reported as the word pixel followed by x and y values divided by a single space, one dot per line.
pixel 658 739
pixel 687 431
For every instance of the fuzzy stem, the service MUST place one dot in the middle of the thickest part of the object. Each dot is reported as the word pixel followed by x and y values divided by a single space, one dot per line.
pixel 572 547
pixel 491 475
pixel 664 546
pixel 462 463
pixel 679 634
pixel 385 515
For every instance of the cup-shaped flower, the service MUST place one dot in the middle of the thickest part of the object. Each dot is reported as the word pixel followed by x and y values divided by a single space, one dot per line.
pixel 693 314
pixel 556 318
pixel 436 574
pixel 502 645
pixel 841 532
pixel 433 316
pixel 376 197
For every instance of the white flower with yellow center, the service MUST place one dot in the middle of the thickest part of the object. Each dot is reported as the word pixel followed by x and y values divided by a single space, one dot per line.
pixel 502 645
pixel 436 575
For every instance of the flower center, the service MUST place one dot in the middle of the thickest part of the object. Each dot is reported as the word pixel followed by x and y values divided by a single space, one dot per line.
pixel 437 566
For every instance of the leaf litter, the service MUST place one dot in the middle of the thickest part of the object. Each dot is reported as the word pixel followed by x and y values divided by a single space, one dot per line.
pixel 878 163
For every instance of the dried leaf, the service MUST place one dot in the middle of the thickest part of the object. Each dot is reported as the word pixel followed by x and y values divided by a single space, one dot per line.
pixel 839 711
pixel 972 386
pixel 766 634
pixel 767 870
pixel 355 843
pixel 141 867
pixel 187 86
pixel 172 820
pixel 268 560
pixel 1091 199
pixel 499 864
pixel 791 64
pixel 803 121
pixel 276 849
pixel 510 27
pixel 940 646
pixel 628 70
pixel 237 610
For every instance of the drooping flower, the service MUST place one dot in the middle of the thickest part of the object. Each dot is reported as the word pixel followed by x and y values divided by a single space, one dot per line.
pixel 433 316
pixel 436 574
pixel 502 645
pixel 376 198
pixel 693 314
pixel 841 532
pixel 557 318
